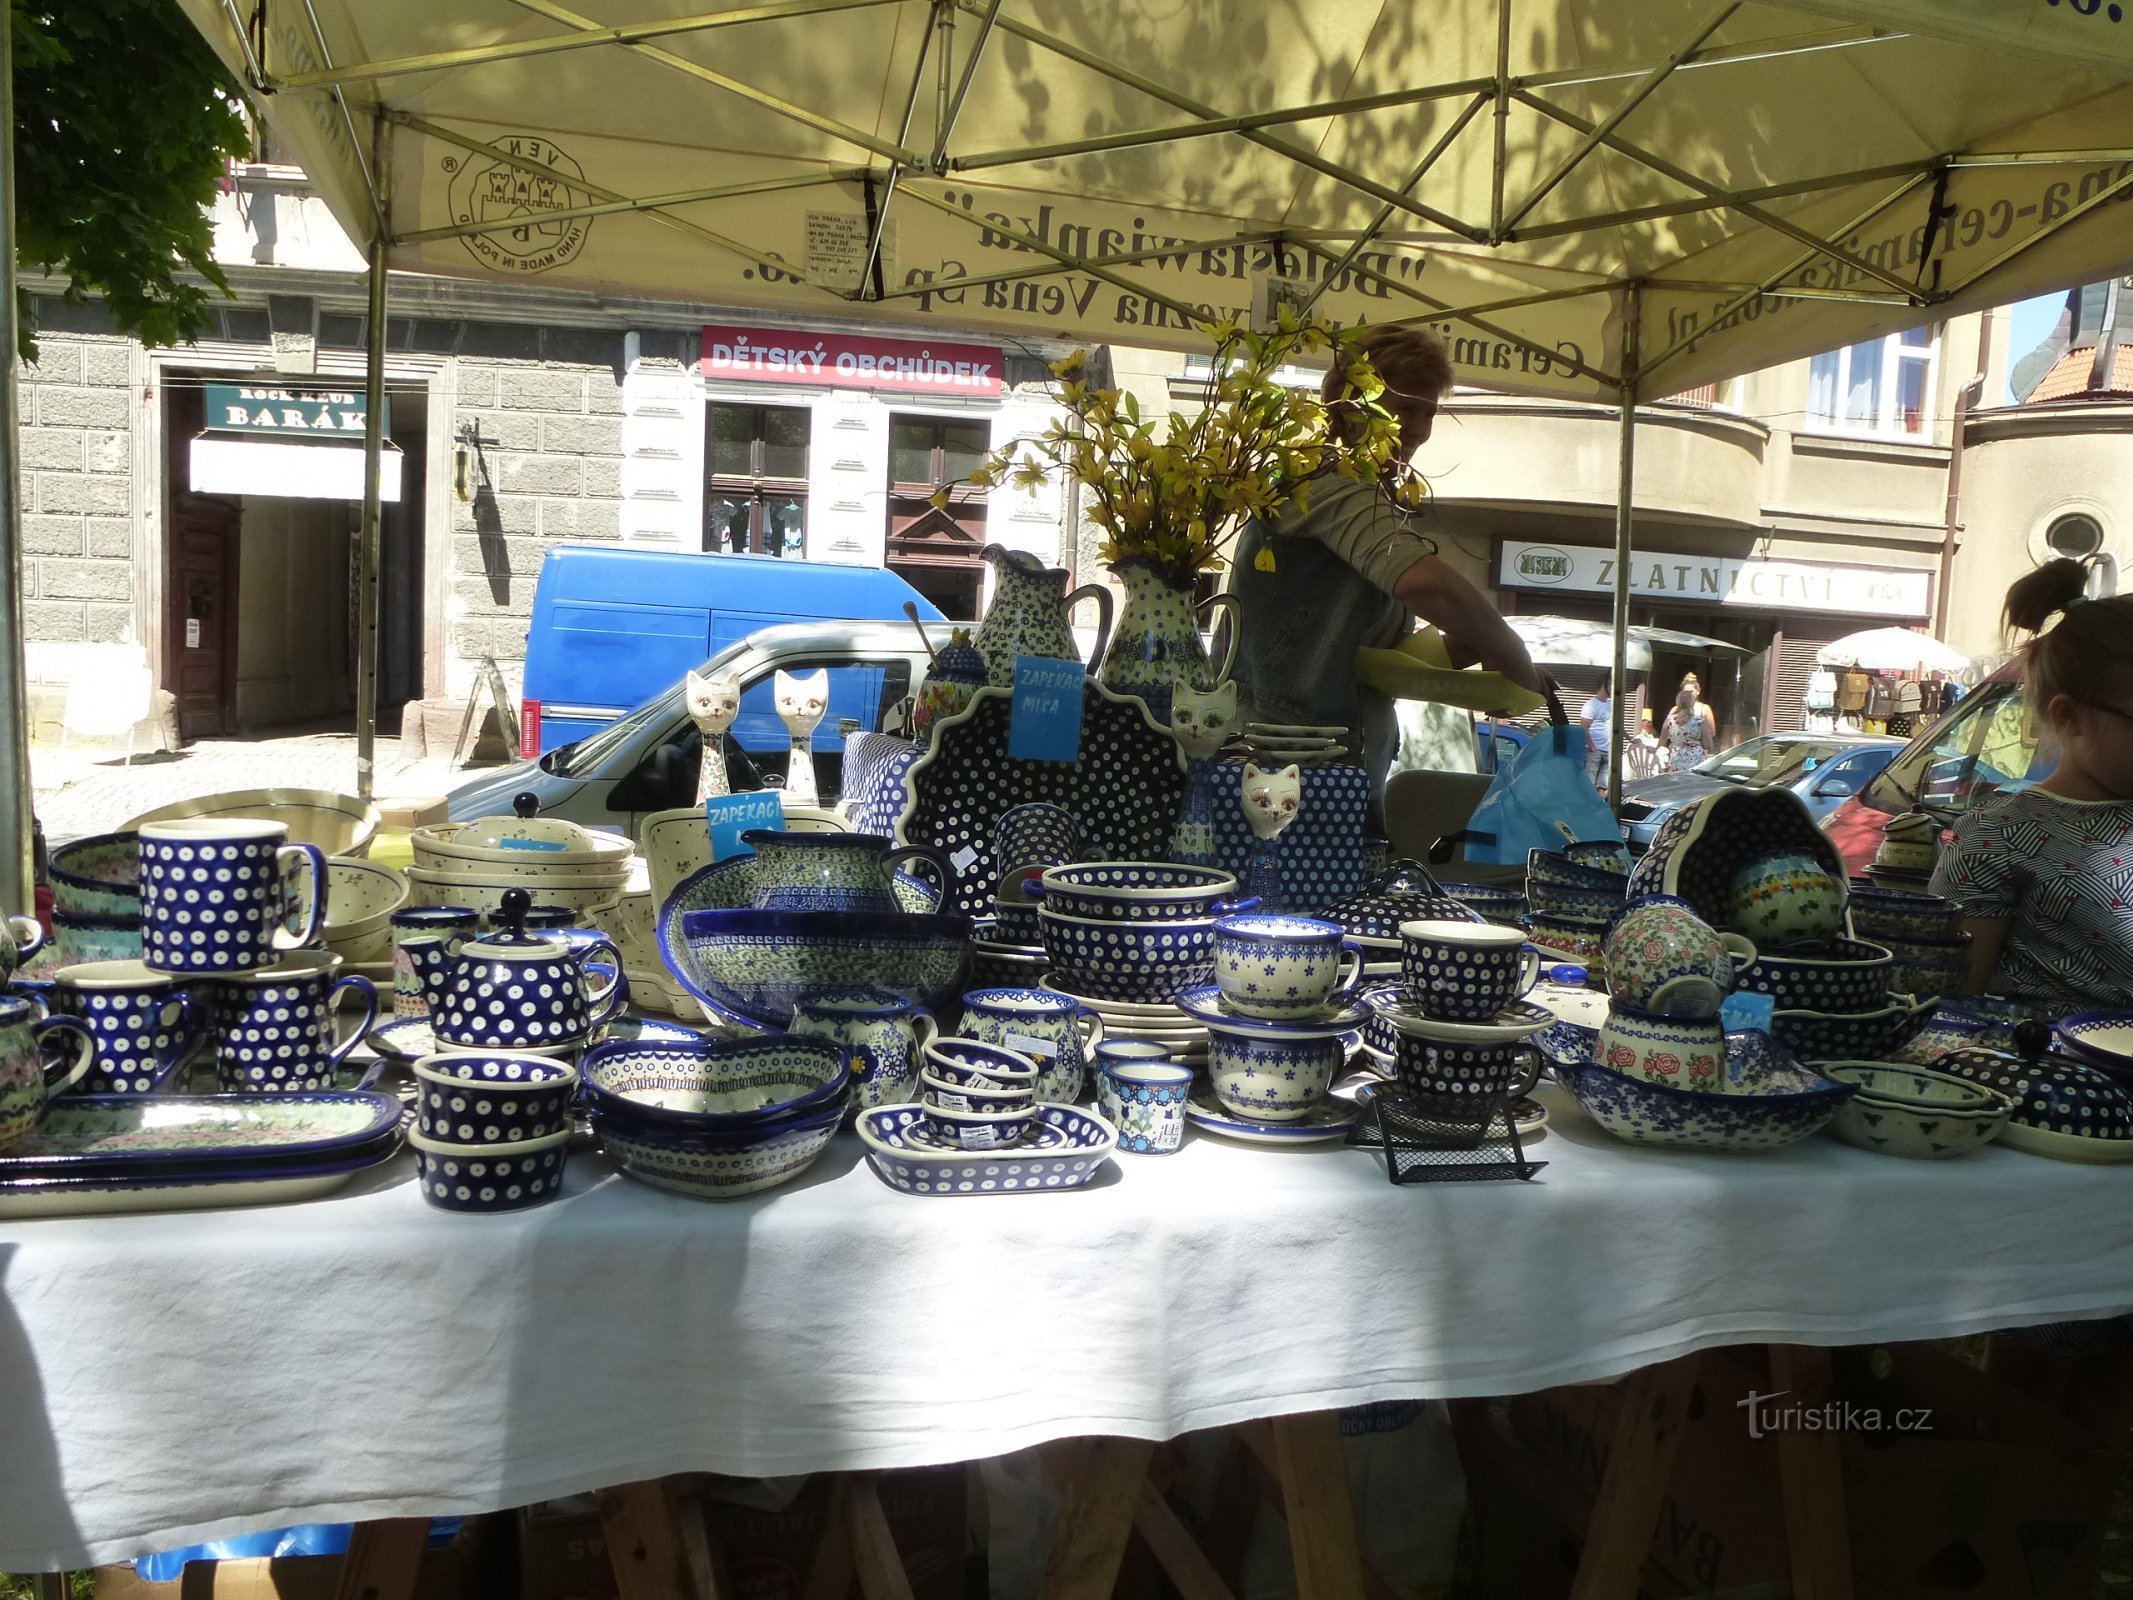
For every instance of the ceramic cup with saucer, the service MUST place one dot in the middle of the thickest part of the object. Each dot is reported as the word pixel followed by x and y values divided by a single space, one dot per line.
pixel 1465 971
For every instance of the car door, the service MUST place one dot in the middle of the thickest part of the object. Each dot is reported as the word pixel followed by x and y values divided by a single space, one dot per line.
pixel 1841 777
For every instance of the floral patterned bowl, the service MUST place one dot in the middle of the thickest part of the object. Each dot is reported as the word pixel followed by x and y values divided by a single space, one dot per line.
pixel 1700 847
pixel 1773 1101
pixel 761 964
pixel 717 1086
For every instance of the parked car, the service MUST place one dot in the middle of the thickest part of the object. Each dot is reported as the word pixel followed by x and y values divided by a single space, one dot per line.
pixel 1983 747
pixel 1823 769
pixel 614 626
pixel 648 760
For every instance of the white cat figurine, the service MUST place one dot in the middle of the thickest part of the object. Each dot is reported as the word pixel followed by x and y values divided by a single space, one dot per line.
pixel 1271 801
pixel 800 703
pixel 713 701
pixel 1200 719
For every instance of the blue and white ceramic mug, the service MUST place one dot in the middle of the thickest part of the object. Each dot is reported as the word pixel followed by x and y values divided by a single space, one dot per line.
pixel 218 894
pixel 1038 834
pixel 26 1083
pixel 1145 1101
pixel 1465 971
pixel 1284 967
pixel 1272 1076
pixel 455 925
pixel 275 1027
pixel 1444 1068
pixel 884 1033
pixel 1054 1030
pixel 145 1023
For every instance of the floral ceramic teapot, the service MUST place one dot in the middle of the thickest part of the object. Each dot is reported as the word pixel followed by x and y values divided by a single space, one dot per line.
pixel 515 990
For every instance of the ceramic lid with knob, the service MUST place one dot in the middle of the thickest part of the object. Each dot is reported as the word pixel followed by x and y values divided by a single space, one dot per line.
pixel 1406 893
pixel 509 939
pixel 526 829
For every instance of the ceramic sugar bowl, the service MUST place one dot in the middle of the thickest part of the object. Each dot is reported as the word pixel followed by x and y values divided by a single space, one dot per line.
pixel 515 990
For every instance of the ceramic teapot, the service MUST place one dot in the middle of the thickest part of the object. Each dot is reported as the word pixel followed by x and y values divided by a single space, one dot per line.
pixel 20 938
pixel 1030 614
pixel 515 990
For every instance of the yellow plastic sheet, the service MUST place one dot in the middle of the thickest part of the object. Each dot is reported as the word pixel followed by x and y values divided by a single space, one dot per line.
pixel 1420 668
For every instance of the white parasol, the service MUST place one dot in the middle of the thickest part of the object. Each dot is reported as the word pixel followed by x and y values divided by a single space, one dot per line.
pixel 1892 650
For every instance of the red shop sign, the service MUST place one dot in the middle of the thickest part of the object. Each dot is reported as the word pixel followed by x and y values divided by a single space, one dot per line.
pixel 788 355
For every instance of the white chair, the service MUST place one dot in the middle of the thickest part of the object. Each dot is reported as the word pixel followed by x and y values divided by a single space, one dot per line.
pixel 106 700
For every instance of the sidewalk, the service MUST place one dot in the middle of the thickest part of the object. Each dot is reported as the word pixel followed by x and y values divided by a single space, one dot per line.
pixel 78 794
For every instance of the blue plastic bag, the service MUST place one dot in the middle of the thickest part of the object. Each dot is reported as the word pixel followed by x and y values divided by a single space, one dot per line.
pixel 1540 800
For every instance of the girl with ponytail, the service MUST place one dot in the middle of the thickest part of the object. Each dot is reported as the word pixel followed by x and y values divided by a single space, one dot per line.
pixel 2045 875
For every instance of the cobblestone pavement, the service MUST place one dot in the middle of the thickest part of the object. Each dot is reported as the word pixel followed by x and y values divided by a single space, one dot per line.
pixel 77 794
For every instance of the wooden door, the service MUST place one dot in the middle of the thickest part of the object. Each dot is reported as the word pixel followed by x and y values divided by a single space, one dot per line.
pixel 200 628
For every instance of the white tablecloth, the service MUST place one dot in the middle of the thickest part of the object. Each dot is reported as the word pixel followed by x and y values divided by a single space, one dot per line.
pixel 167 1378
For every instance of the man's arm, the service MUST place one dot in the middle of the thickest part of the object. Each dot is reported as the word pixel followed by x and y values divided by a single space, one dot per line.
pixel 1473 629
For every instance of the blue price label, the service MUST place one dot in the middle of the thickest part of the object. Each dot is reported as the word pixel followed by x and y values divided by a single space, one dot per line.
pixel 1746 1010
pixel 731 815
pixel 1044 722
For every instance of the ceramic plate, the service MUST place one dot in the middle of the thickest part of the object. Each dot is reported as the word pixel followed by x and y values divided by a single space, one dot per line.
pixel 275 1183
pixel 117 1133
pixel 1326 1121
pixel 1515 1021
pixel 1105 1008
pixel 1073 1144
pixel 1206 1005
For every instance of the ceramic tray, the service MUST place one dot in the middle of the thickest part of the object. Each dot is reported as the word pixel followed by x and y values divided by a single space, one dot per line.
pixel 410 1038
pixel 1126 787
pixel 257 1184
pixel 116 1134
pixel 1069 1147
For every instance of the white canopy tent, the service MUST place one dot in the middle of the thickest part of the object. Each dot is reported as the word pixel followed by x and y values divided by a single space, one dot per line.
pixel 1893 650
pixel 1591 198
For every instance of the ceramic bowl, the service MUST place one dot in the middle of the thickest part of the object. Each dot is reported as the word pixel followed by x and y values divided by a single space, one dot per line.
pixel 938 1091
pixel 717 1085
pixel 1553 869
pixel 1700 847
pixel 1608 855
pixel 979 1130
pixel 2099 1038
pixel 1438 1069
pixel 1586 941
pixel 975 1064
pixel 760 964
pixel 493 1097
pixel 456 846
pixel 1015 922
pixel 1269 1076
pixel 722 1166
pixel 1067 1148
pixel 1126 960
pixel 2063 1109
pixel 79 937
pixel 98 876
pixel 1913 1111
pixel 433 889
pixel 1852 1036
pixel 489 1177
pixel 1840 975
pixel 1136 891
pixel 1774 1101
pixel 1935 968
pixel 1883 915
pixel 1558 904
pixel 361 896
pixel 1504 906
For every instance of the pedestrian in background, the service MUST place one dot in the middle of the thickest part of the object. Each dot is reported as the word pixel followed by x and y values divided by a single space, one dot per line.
pixel 1597 717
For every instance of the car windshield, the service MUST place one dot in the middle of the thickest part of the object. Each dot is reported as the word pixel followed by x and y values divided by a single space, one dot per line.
pixel 1776 759
pixel 1984 747
pixel 586 755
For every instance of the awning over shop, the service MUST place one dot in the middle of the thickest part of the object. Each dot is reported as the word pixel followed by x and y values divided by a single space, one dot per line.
pixel 222 465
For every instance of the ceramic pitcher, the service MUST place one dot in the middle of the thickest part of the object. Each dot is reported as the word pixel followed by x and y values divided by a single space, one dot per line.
pixel 1030 614
pixel 1156 647
pixel 26 1082
pixel 20 938
pixel 833 871
pixel 885 1035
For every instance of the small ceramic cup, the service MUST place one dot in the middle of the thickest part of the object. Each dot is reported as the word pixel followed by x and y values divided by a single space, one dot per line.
pixel 1661 956
pixel 1284 968
pixel 1145 1101
pixel 1440 1068
pixel 275 1027
pixel 1465 971
pixel 27 1085
pixel 218 894
pixel 1786 898
pixel 1271 1077
pixel 493 1097
pixel 884 1033
pixel 1680 1052
pixel 489 1177
pixel 1054 1030
pixel 1125 1051
pixel 453 924
pixel 146 1023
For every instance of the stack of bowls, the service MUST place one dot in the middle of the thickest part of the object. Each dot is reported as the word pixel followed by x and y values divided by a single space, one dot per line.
pixel 1910 845
pixel 977 1097
pixel 361 897
pixel 556 861
pixel 1454 1031
pixel 1504 907
pixel 1833 1000
pixel 492 1129
pixel 1571 901
pixel 96 901
pixel 1924 932
pixel 1138 932
pixel 719 1118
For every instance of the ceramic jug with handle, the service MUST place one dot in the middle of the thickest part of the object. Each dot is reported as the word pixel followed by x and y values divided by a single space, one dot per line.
pixel 515 990
pixel 1030 614
pixel 1156 649
pixel 833 871
pixel 26 1081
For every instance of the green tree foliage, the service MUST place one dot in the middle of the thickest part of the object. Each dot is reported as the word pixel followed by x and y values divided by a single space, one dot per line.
pixel 124 124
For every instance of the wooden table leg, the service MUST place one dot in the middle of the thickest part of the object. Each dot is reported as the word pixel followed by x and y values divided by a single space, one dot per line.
pixel 881 1569
pixel 1811 1474
pixel 830 1574
pixel 1625 1513
pixel 644 1542
pixel 1175 1550
pixel 384 1559
pixel 1314 1489
pixel 1096 1519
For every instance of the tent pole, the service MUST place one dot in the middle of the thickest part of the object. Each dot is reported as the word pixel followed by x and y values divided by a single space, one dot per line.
pixel 373 468
pixel 1624 494
pixel 17 884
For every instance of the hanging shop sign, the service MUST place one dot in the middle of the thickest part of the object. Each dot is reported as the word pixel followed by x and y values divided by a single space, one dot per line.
pixel 287 469
pixel 285 413
pixel 847 361
pixel 1718 580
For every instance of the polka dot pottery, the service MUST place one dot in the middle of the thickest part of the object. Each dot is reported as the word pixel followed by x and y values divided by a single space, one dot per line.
pixel 2063 1109
pixel 1136 961
pixel 219 894
pixel 1465 972
pixel 1883 915
pixel 940 1093
pixel 495 1097
pixel 1552 868
pixel 1444 1068
pixel 975 1129
pixel 1774 1101
pixel 1852 1036
pixel 145 1023
pixel 1699 848
pixel 1066 1148
pixel 1136 891
pixel 489 1178
pixel 512 989
pixel 1841 975
pixel 275 1028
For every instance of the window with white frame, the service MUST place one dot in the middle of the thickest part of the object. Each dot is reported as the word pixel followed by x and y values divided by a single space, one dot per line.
pixel 1883 386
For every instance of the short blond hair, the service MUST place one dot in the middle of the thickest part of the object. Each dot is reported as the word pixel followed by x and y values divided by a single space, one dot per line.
pixel 1412 361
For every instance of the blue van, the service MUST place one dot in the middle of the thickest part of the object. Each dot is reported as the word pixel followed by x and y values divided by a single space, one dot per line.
pixel 613 627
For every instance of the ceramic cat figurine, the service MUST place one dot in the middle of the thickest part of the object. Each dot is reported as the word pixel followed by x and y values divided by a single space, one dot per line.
pixel 713 701
pixel 1200 720
pixel 800 703
pixel 1271 801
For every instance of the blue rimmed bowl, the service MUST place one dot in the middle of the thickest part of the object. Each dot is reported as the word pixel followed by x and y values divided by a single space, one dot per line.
pixel 1773 1101
pixel 1141 962
pixel 1884 914
pixel 1852 1036
pixel 1556 870
pixel 759 965
pixel 1840 975
pixel 1065 1148
pixel 717 1086
pixel 488 1178
pixel 1137 891
pixel 1915 1112
pixel 98 876
pixel 1554 903
pixel 1504 906
pixel 978 1130
pixel 972 1063
pixel 493 1097
pixel 717 1166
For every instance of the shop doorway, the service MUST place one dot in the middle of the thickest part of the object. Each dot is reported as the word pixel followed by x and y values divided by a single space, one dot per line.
pixel 260 589
pixel 935 548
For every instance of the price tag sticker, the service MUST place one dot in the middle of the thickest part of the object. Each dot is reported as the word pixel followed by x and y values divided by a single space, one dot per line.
pixel 963 860
pixel 1039 1050
pixel 1746 1010
pixel 731 815
pixel 1044 719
